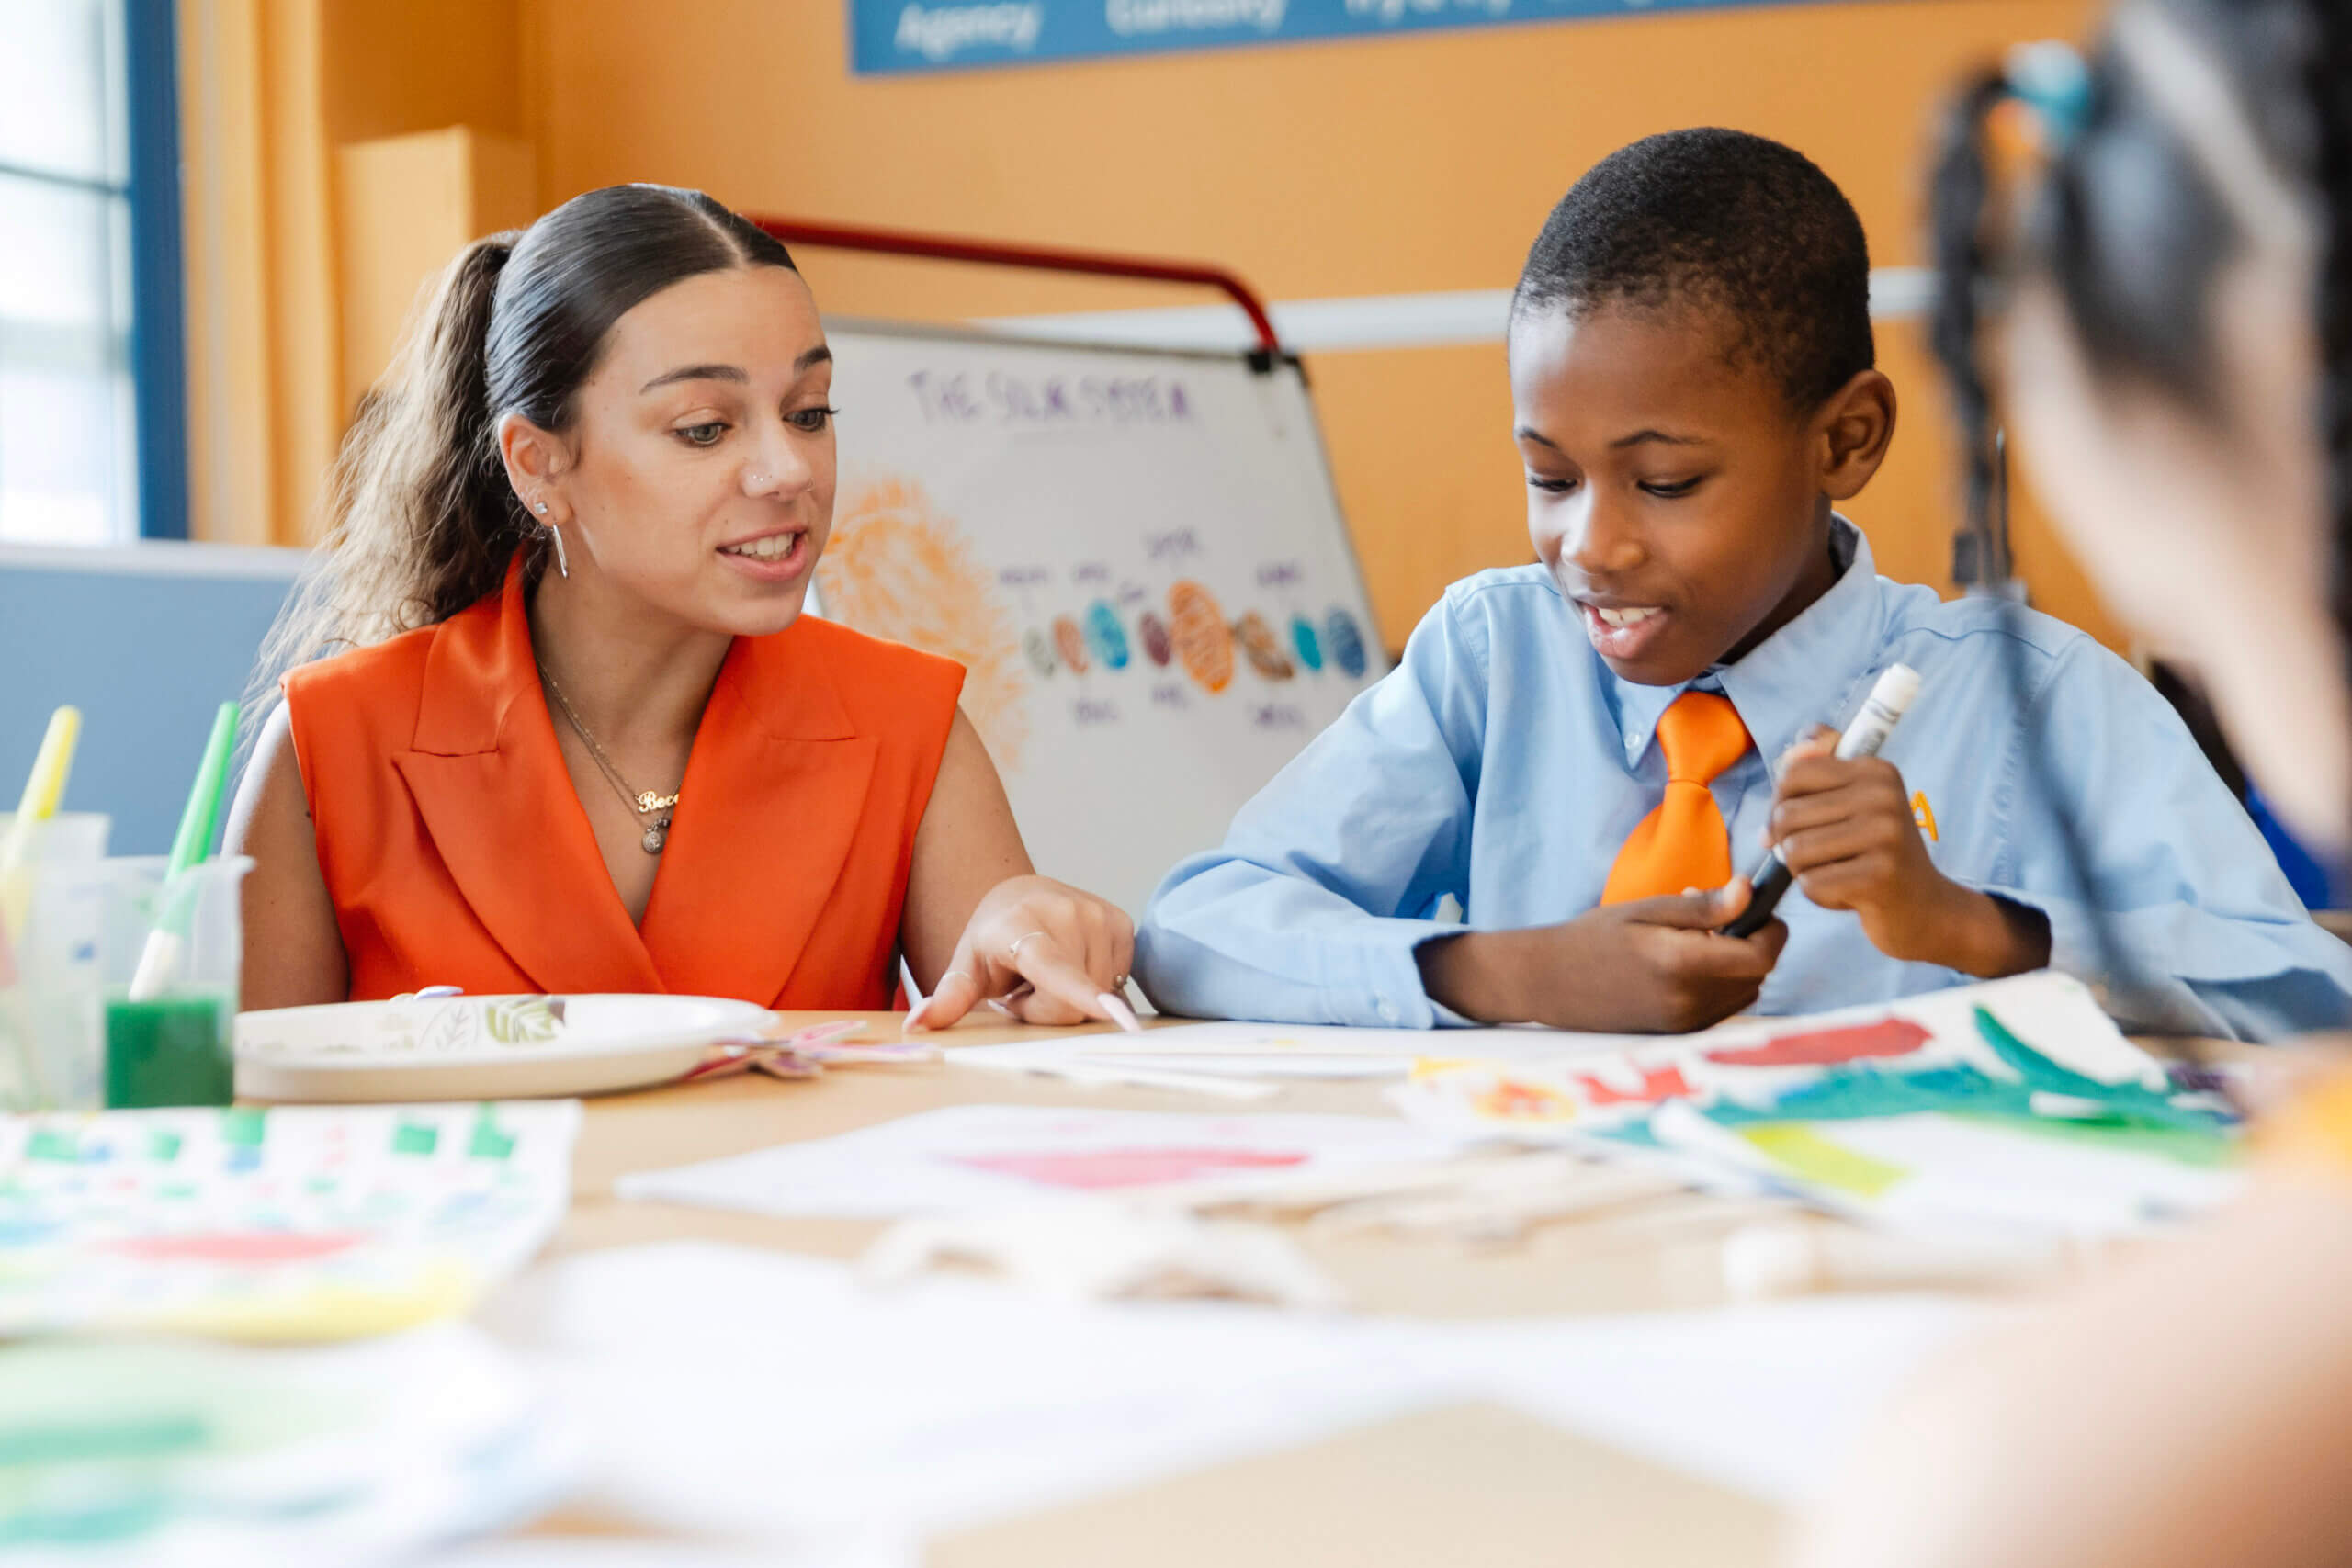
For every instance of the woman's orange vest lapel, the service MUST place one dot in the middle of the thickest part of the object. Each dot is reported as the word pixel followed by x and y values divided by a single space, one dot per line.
pixel 767 815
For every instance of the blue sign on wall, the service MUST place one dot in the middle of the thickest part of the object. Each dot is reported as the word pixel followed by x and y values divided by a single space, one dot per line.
pixel 896 36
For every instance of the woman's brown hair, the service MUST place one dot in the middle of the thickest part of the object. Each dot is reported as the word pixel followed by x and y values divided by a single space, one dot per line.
pixel 420 521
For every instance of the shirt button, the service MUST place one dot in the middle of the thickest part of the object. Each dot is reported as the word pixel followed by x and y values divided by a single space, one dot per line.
pixel 1634 740
pixel 1387 1011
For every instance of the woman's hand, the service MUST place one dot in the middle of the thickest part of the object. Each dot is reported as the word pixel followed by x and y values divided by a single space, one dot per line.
pixel 1045 952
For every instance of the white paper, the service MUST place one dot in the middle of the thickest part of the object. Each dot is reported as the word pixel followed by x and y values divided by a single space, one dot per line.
pixel 975 1156
pixel 727 1390
pixel 1765 1400
pixel 193 1456
pixel 740 1393
pixel 1959 1172
pixel 2055 1012
pixel 1287 1051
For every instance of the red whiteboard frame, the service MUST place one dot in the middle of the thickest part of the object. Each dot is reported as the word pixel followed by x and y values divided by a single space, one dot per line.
pixel 1044 258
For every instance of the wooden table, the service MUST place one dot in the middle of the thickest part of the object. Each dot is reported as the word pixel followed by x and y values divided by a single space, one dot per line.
pixel 1402 1492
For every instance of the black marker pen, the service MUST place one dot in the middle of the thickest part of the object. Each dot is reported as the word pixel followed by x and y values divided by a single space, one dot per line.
pixel 1881 712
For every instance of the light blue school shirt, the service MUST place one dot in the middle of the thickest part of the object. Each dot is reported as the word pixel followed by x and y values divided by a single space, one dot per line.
pixel 1504 765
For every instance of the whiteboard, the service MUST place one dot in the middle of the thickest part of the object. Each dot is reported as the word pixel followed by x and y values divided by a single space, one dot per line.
pixel 1137 557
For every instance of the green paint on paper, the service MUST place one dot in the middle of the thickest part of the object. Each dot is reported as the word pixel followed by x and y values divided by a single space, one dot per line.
pixel 71 1443
pixel 2208 1148
pixel 415 1139
pixel 2127 1101
pixel 177 1189
pixel 2038 1070
pixel 1845 1093
pixel 48 1143
pixel 163 1147
pixel 1806 1153
pixel 320 1184
pixel 100 1524
pixel 244 1126
pixel 489 1142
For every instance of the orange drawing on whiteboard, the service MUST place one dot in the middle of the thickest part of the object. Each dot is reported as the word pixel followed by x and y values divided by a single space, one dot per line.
pixel 1203 642
pixel 1265 655
pixel 1071 643
pixel 896 569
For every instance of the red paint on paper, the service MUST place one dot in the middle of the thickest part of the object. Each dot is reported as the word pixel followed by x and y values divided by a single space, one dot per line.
pixel 1657 1083
pixel 1099 1168
pixel 1887 1037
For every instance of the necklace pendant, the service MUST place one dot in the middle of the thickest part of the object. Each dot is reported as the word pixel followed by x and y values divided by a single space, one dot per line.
pixel 656 836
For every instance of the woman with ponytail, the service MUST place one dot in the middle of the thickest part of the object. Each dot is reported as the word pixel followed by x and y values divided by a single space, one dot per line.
pixel 2161 271
pixel 553 719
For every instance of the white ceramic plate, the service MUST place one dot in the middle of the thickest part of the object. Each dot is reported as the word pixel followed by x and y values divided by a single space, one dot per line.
pixel 482 1048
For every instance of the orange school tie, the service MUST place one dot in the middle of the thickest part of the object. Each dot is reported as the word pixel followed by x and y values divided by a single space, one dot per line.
pixel 1683 843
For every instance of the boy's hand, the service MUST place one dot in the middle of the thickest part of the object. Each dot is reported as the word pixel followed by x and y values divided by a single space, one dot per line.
pixel 1651 965
pixel 1845 829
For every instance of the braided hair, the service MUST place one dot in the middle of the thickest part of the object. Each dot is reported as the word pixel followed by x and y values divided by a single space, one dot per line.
pixel 2131 227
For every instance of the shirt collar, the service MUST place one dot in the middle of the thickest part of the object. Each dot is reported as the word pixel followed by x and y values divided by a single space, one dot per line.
pixel 1808 673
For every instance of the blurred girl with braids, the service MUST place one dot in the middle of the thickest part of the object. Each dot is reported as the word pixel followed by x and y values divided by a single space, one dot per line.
pixel 574 733
pixel 2171 314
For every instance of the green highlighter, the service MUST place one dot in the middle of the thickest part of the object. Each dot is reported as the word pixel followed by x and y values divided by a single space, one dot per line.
pixel 159 961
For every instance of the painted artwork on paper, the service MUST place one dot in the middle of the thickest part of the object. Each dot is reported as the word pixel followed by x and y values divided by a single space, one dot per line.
pixel 288 1223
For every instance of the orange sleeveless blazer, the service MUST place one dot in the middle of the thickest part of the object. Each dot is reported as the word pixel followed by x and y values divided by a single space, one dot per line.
pixel 456 851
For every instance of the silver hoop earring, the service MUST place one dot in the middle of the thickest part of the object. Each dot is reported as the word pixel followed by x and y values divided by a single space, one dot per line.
pixel 555 536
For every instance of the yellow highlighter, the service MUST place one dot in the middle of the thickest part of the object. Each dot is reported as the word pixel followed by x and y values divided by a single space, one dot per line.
pixel 44 788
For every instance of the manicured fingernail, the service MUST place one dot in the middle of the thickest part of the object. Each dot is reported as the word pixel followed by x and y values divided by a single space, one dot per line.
pixel 1121 1013
pixel 915 1014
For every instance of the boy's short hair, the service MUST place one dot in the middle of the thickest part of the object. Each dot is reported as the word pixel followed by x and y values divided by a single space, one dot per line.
pixel 1728 221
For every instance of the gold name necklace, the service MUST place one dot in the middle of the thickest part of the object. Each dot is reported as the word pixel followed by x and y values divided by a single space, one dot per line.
pixel 644 802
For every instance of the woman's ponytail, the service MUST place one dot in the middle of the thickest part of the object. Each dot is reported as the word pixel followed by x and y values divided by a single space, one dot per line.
pixel 420 521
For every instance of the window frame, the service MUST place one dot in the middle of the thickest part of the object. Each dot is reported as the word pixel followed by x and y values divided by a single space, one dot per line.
pixel 158 328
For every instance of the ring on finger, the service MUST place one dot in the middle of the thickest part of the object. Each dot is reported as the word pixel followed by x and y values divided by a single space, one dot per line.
pixel 1012 954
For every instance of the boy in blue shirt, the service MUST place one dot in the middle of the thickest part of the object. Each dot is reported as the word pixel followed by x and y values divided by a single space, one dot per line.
pixel 1692 377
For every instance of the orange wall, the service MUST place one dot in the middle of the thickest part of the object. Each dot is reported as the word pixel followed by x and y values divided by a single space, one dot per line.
pixel 1369 166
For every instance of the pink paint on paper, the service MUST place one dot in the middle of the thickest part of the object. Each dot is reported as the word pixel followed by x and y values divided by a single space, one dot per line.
pixel 238 1247
pixel 1097 1169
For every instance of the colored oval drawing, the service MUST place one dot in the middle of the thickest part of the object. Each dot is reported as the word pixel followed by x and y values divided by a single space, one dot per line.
pixel 1153 631
pixel 1265 653
pixel 1040 649
pixel 1196 626
pixel 1071 643
pixel 1105 636
pixel 1302 638
pixel 898 567
pixel 1343 642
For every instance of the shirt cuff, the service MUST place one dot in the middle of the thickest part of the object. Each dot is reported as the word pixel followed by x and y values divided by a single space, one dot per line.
pixel 2166 1005
pixel 1382 987
pixel 2073 947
